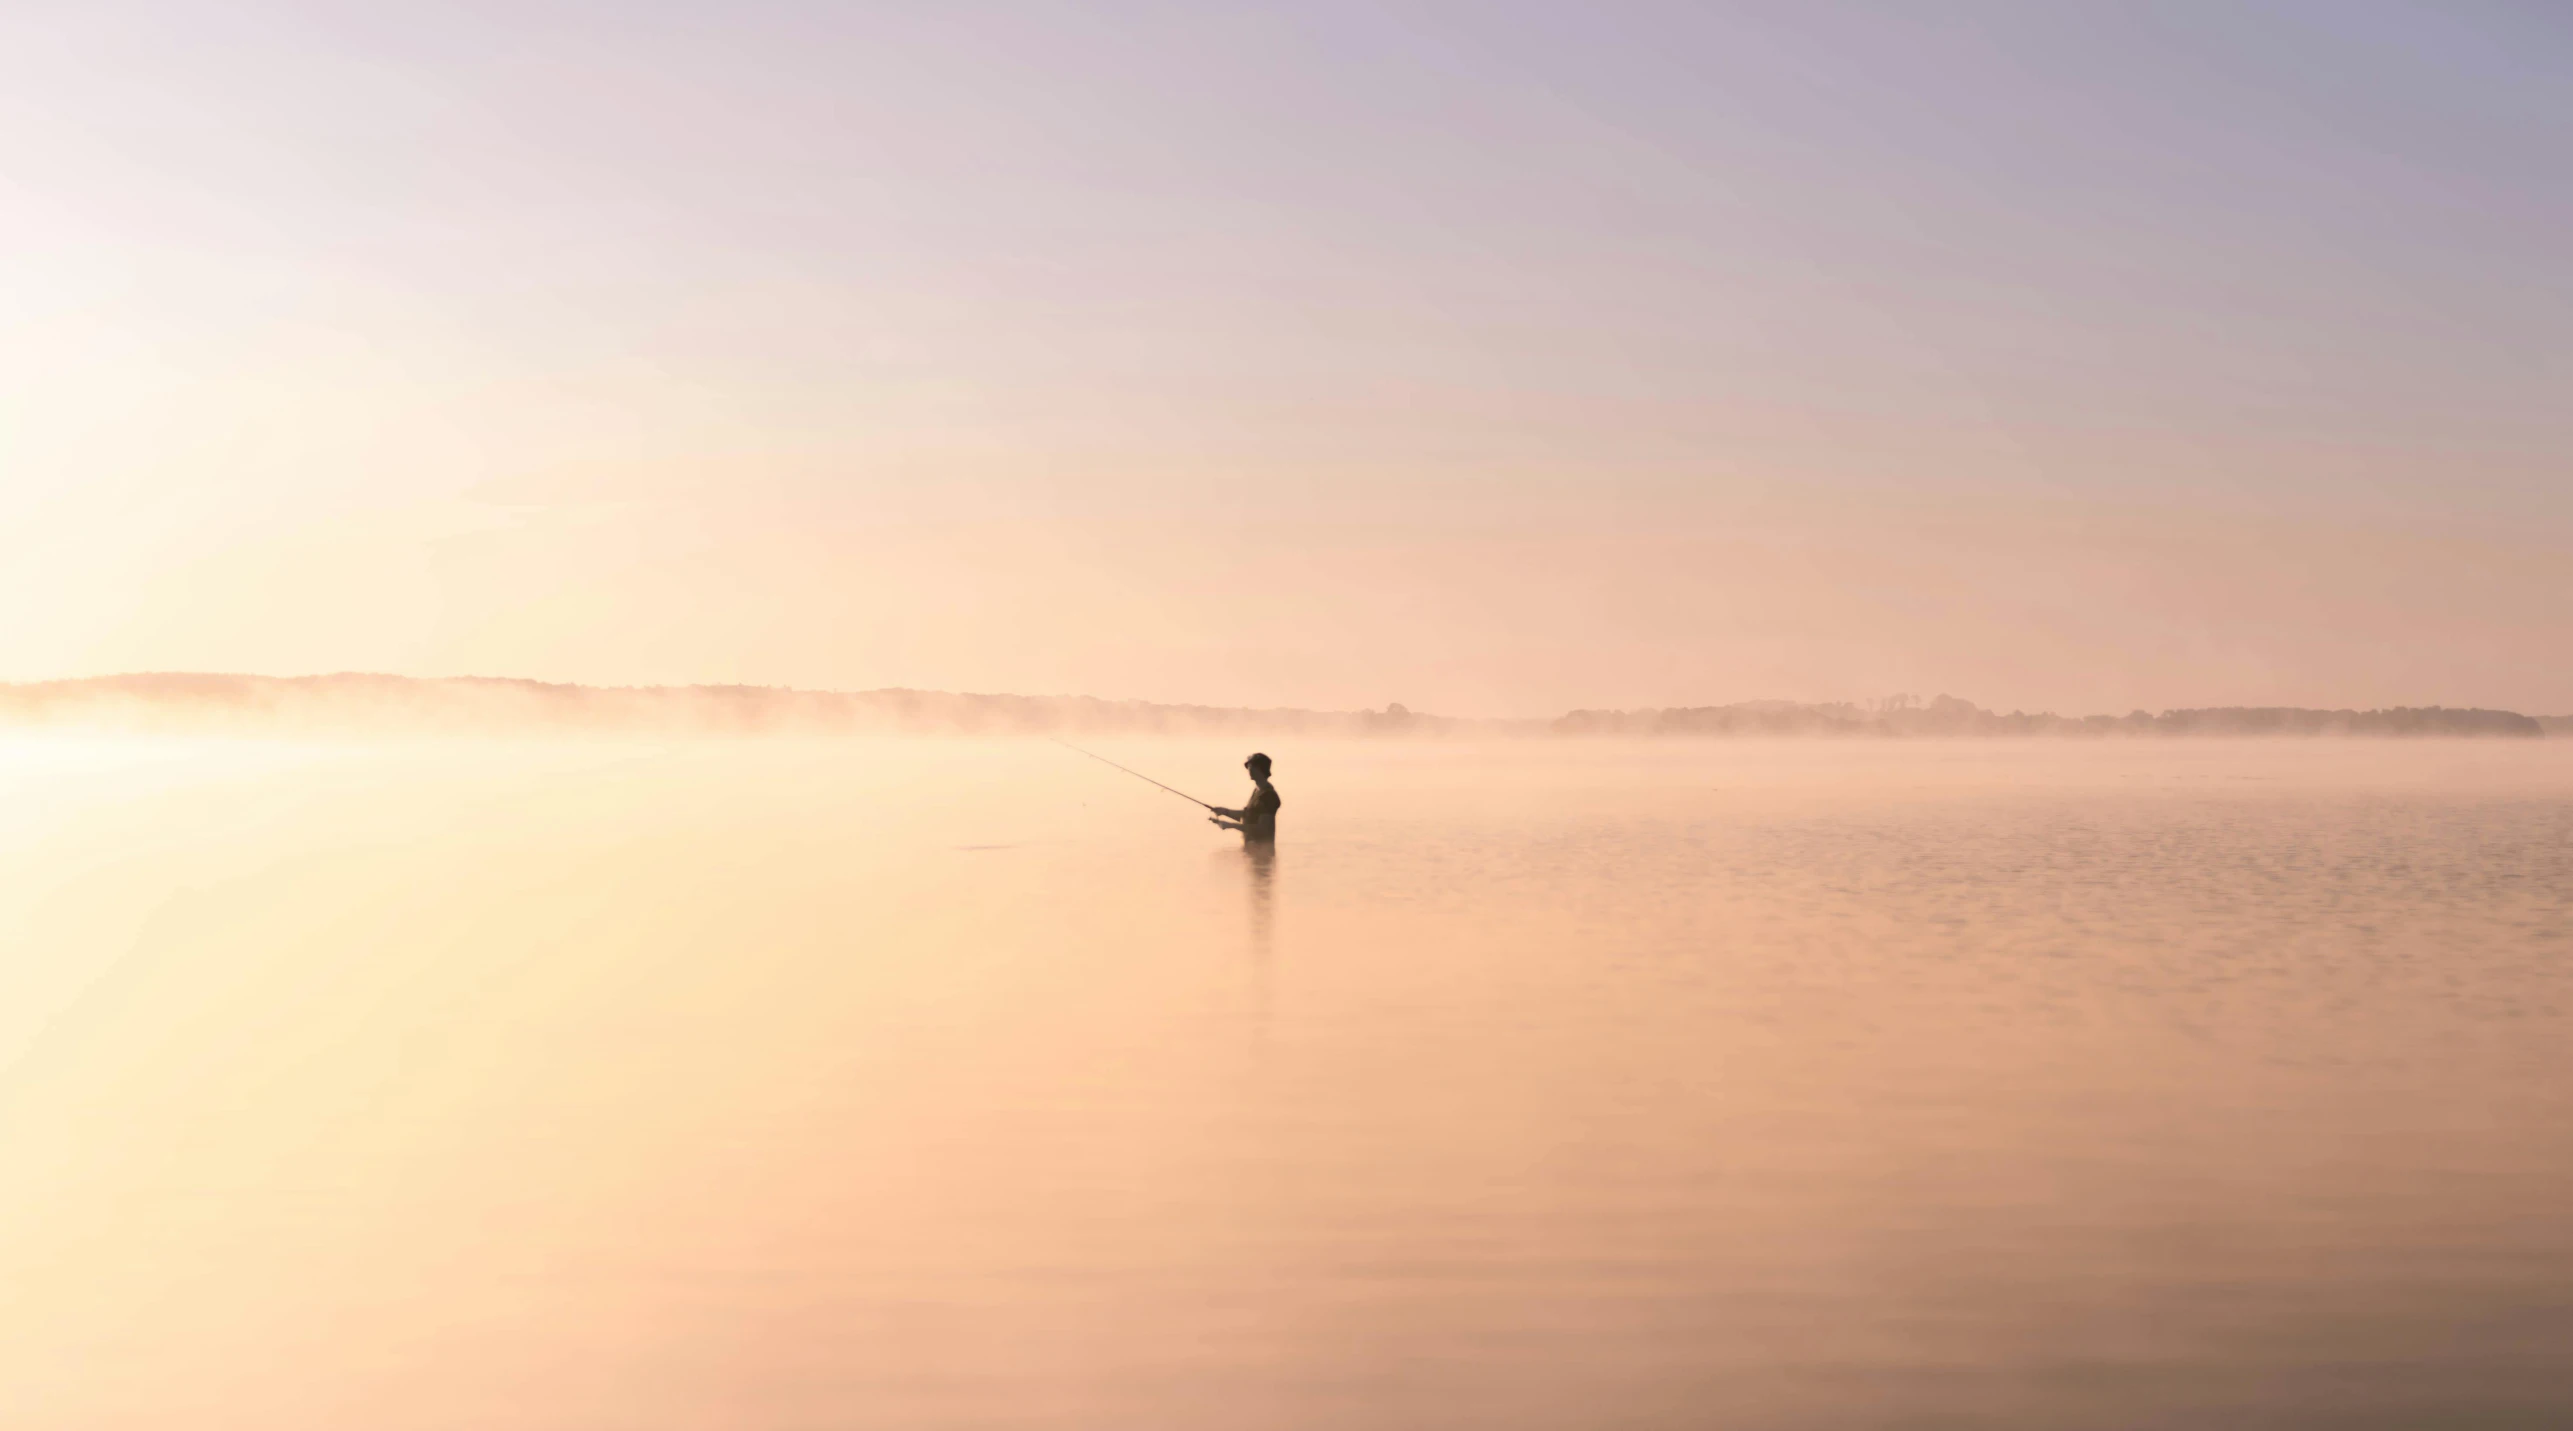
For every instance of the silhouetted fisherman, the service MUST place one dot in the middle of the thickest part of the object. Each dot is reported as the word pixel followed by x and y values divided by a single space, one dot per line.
pixel 1258 820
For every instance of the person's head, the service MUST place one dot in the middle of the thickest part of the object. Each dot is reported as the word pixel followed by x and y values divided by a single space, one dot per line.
pixel 1258 765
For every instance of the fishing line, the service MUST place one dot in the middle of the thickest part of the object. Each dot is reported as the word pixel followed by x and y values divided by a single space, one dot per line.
pixel 1139 775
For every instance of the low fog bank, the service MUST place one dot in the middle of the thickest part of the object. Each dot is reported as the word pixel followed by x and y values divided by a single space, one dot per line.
pixel 1947 716
pixel 168 703
pixel 375 703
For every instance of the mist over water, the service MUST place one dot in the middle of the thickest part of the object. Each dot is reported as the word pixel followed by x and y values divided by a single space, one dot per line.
pixel 685 1084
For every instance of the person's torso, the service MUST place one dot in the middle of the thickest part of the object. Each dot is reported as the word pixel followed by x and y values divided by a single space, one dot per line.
pixel 1260 815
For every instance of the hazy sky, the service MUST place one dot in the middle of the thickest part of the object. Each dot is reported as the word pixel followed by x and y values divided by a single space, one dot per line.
pixel 1488 357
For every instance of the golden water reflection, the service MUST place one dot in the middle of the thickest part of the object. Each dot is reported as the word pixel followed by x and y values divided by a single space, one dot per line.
pixel 949 1083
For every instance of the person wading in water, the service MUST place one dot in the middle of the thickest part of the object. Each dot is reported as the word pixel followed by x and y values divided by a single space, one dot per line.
pixel 1257 820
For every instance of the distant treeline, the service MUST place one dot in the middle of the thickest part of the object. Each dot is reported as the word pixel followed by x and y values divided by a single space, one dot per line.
pixel 363 702
pixel 358 702
pixel 1949 716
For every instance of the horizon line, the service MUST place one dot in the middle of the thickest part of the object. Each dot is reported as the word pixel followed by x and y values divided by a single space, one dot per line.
pixel 1393 711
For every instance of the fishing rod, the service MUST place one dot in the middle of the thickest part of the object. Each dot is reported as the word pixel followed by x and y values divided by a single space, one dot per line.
pixel 1139 775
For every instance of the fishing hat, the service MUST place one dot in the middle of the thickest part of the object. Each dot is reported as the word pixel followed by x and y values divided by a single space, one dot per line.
pixel 1258 763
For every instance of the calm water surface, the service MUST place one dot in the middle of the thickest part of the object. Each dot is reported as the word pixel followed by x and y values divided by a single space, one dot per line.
pixel 961 1084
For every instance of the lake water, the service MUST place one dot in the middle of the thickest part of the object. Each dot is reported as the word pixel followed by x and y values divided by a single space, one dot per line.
pixel 931 1084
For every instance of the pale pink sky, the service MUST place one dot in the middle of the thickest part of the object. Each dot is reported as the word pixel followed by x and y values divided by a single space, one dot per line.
pixel 1492 358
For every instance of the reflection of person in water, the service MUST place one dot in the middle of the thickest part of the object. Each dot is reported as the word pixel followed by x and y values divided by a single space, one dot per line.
pixel 1257 820
pixel 1260 857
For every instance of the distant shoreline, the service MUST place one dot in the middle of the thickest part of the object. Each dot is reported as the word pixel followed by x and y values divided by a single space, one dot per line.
pixel 358 702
